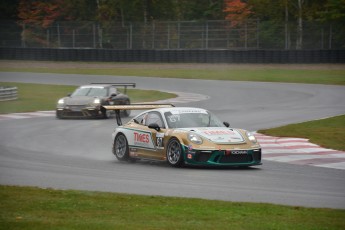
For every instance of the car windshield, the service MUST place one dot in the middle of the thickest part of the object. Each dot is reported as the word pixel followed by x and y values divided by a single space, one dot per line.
pixel 188 119
pixel 90 91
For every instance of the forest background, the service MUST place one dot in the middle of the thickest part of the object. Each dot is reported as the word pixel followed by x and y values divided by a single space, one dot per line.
pixel 294 19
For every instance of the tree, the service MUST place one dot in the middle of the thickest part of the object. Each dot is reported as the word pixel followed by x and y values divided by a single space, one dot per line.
pixel 295 14
pixel 35 17
pixel 8 9
pixel 187 10
pixel 40 13
pixel 236 11
pixel 333 11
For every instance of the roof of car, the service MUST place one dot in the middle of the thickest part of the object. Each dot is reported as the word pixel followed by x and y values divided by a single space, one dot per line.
pixel 95 86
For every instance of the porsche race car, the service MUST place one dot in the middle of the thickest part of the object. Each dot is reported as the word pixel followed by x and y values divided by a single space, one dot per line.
pixel 87 100
pixel 183 135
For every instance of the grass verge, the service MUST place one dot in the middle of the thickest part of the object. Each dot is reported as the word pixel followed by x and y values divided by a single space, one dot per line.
pixel 34 208
pixel 35 97
pixel 328 133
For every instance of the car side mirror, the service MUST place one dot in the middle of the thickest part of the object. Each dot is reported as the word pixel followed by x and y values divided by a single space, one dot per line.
pixel 226 124
pixel 154 126
pixel 68 95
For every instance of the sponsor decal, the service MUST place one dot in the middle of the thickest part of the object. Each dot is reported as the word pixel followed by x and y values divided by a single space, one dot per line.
pixel 239 152
pixel 181 111
pixel 138 139
pixel 218 132
pixel 133 152
pixel 141 139
pixel 221 135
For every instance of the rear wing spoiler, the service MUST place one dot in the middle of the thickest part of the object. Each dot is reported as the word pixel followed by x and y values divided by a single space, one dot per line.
pixel 125 85
pixel 117 108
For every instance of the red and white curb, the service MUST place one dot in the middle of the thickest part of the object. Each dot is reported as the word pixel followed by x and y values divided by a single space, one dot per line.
pixel 299 151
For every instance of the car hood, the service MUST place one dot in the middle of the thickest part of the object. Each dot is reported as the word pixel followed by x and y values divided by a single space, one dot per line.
pixel 219 135
pixel 79 100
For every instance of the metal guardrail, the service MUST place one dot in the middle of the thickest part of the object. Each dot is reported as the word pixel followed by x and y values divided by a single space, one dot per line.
pixel 8 93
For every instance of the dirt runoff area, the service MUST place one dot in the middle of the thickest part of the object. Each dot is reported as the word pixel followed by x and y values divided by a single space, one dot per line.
pixel 111 65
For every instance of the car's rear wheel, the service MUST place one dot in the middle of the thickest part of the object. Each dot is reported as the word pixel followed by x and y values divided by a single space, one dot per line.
pixel 108 114
pixel 121 150
pixel 126 113
pixel 174 153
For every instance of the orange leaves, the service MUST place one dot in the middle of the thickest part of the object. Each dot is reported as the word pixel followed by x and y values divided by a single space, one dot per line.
pixel 236 11
pixel 40 13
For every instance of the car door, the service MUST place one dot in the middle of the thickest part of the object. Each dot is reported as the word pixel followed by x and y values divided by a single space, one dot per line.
pixel 155 137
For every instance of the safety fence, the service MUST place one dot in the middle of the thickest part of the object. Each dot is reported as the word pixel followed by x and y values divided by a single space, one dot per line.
pixel 249 35
pixel 8 93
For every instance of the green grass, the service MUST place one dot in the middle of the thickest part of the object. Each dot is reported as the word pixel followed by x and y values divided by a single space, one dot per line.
pixel 309 76
pixel 328 133
pixel 38 97
pixel 34 208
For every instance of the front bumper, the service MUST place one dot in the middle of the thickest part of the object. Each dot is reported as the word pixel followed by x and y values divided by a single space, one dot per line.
pixel 248 157
pixel 85 112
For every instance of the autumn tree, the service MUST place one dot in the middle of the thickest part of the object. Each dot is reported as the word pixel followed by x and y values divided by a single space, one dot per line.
pixel 236 11
pixel 35 16
pixel 38 16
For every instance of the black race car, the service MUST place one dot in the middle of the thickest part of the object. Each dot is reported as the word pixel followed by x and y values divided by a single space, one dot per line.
pixel 87 101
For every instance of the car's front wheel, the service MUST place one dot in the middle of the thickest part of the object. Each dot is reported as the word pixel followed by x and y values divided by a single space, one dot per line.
pixel 59 115
pixel 174 153
pixel 120 148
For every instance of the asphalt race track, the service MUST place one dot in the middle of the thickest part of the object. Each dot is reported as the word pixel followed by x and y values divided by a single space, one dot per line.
pixel 76 154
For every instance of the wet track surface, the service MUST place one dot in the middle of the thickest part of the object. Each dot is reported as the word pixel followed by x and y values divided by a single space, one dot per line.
pixel 76 154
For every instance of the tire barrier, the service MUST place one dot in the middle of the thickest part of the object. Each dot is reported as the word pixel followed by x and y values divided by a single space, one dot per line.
pixel 175 56
pixel 8 93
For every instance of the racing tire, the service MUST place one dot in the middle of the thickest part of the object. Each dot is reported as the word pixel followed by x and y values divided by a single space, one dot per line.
pixel 59 115
pixel 105 113
pixel 120 149
pixel 174 153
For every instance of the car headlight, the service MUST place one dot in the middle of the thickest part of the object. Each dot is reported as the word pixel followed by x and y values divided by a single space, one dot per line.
pixel 251 137
pixel 97 101
pixel 61 101
pixel 194 138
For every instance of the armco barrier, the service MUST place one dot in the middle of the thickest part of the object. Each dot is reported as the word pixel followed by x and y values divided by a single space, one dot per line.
pixel 176 56
pixel 8 93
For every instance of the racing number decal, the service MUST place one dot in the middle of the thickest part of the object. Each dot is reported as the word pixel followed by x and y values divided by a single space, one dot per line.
pixel 159 140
